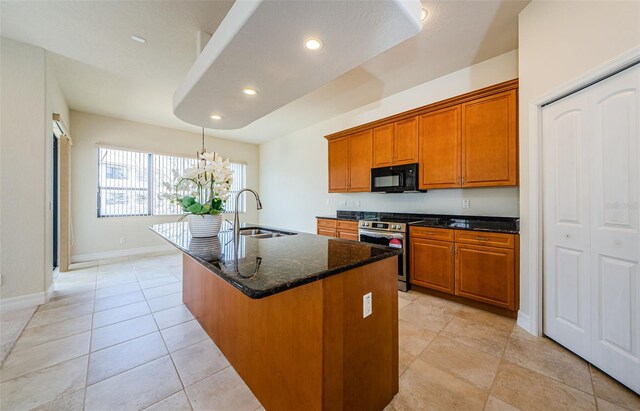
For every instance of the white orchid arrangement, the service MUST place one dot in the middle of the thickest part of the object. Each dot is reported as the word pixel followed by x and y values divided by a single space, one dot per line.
pixel 204 189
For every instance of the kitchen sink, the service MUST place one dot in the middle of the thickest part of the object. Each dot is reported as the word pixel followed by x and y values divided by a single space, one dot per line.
pixel 263 233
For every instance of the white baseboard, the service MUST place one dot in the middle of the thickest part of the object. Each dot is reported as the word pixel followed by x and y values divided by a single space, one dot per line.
pixel 25 301
pixel 524 322
pixel 81 258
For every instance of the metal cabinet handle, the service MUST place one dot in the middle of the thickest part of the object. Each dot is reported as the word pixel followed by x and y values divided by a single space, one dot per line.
pixel 451 250
pixel 482 238
pixel 430 232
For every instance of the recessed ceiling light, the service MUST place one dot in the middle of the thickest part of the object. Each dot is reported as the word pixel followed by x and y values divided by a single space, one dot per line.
pixel 138 39
pixel 216 117
pixel 424 14
pixel 313 44
pixel 249 91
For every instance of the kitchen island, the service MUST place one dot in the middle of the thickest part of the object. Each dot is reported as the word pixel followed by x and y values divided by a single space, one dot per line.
pixel 288 313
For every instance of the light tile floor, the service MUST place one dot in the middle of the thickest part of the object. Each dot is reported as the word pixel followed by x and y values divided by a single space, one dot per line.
pixel 116 336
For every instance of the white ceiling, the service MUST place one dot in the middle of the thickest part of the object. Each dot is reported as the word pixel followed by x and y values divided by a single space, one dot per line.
pixel 260 44
pixel 101 70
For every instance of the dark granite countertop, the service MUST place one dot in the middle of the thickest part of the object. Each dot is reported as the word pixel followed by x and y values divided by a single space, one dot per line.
pixel 285 262
pixel 333 217
pixel 496 225
pixel 509 225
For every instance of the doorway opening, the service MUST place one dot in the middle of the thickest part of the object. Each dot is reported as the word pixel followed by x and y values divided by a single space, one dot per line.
pixel 55 203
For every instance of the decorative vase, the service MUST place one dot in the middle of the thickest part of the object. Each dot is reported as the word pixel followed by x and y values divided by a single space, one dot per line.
pixel 205 225
pixel 207 248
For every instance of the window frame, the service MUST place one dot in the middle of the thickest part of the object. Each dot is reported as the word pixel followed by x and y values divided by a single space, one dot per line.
pixel 150 189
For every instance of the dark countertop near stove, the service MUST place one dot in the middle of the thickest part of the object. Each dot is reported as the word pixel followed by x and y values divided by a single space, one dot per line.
pixel 510 225
pixel 284 262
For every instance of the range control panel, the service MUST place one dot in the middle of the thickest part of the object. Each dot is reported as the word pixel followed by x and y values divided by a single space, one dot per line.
pixel 381 225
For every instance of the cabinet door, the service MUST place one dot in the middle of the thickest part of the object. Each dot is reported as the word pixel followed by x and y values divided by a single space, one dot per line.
pixel 329 232
pixel 432 264
pixel 383 146
pixel 440 148
pixel 348 235
pixel 360 157
pixel 486 274
pixel 405 142
pixel 338 164
pixel 489 141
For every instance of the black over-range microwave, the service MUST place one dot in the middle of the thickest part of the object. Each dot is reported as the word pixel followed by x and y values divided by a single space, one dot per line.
pixel 395 179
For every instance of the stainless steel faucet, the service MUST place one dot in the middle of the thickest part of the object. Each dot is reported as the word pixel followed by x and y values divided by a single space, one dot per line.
pixel 236 218
pixel 236 234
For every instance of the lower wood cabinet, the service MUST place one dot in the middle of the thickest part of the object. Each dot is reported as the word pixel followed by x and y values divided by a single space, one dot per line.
pixel 345 229
pixel 486 274
pixel 432 264
pixel 476 265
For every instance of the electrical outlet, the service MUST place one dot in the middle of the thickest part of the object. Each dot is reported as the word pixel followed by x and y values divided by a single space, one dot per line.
pixel 367 308
pixel 466 204
pixel 343 203
pixel 328 202
pixel 358 203
pixel 123 240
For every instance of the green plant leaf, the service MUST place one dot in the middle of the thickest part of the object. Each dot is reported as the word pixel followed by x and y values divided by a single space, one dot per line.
pixel 188 201
pixel 195 208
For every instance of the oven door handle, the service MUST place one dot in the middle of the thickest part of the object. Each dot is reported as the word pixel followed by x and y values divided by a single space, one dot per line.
pixel 376 234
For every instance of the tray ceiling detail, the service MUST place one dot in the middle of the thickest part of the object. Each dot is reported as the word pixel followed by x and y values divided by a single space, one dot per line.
pixel 262 45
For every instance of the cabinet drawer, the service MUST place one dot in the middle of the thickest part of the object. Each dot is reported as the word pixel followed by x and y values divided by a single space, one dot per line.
pixel 348 235
pixel 327 223
pixel 442 234
pixel 329 232
pixel 485 238
pixel 347 225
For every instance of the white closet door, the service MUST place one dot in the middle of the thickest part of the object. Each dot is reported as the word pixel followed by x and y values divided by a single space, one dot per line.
pixel 591 212
pixel 615 230
pixel 566 223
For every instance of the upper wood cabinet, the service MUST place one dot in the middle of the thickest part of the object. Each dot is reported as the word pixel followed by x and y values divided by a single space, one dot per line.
pixel 360 155
pixel 405 142
pixel 350 163
pixel 489 141
pixel 383 145
pixel 338 164
pixel 465 141
pixel 440 149
pixel 396 143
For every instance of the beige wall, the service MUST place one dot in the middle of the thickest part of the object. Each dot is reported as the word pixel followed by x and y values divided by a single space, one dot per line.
pixel 94 235
pixel 293 168
pixel 559 41
pixel 23 210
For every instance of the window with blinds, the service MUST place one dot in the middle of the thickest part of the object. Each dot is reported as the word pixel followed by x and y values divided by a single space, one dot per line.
pixel 131 183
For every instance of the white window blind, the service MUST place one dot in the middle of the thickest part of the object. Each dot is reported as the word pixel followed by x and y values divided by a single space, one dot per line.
pixel 131 183
pixel 162 166
pixel 239 182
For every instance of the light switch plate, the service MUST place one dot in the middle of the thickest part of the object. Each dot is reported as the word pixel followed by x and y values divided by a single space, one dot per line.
pixel 367 308
pixel 466 204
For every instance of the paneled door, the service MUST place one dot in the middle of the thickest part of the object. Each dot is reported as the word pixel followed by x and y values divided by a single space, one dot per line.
pixel 591 182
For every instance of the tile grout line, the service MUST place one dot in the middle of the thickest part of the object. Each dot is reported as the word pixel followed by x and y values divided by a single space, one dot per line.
pixel 86 377
pixel 168 351
pixel 593 387
pixel 552 378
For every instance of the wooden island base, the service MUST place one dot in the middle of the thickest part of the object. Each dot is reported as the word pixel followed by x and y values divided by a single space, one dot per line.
pixel 307 348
